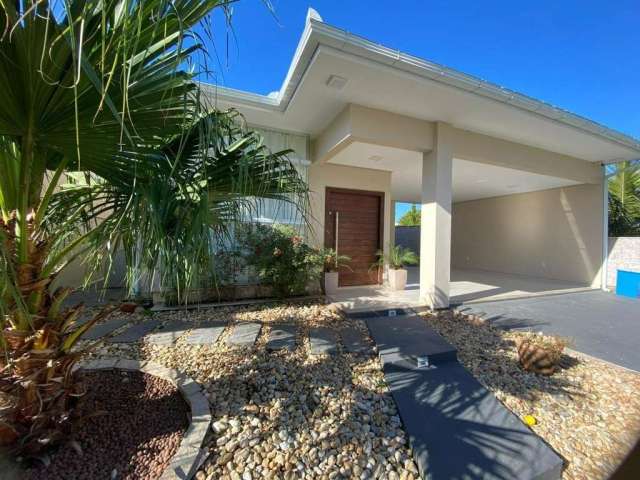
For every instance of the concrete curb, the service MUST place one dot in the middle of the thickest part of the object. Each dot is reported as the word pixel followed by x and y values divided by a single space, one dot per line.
pixel 190 454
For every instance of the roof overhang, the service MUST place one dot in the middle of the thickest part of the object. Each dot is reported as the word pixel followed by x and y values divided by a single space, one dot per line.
pixel 387 79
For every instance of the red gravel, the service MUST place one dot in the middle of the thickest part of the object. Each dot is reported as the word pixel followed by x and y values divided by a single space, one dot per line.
pixel 143 421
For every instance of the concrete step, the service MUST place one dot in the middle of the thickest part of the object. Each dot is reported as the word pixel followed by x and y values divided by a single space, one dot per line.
pixel 102 329
pixel 168 333
pixel 406 339
pixel 136 333
pixel 456 427
pixel 282 337
pixel 354 341
pixel 323 341
pixel 244 334
pixel 206 333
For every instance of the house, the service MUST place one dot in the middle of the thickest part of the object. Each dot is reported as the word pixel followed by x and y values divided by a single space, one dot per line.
pixel 510 186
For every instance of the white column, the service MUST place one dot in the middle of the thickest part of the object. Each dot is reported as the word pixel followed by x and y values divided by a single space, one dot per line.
pixel 392 225
pixel 435 220
pixel 392 235
pixel 604 273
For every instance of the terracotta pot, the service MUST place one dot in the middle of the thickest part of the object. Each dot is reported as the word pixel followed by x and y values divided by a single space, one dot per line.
pixel 397 279
pixel 330 282
pixel 128 307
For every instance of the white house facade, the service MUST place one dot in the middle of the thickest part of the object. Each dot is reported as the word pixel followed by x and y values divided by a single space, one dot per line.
pixel 508 184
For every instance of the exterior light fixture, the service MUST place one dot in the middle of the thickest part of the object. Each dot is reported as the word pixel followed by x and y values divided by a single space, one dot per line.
pixel 337 82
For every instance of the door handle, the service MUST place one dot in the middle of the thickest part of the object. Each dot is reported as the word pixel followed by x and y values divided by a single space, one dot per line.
pixel 337 232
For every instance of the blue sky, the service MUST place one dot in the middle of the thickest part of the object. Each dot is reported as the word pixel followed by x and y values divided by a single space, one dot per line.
pixel 581 55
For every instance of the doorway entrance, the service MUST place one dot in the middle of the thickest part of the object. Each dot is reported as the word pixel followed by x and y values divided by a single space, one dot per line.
pixel 353 227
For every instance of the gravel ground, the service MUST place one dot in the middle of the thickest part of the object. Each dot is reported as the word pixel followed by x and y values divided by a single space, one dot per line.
pixel 287 415
pixel 588 411
pixel 134 425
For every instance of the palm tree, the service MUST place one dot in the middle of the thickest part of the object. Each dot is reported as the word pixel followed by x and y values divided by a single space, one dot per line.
pixel 411 218
pixel 97 93
pixel 624 199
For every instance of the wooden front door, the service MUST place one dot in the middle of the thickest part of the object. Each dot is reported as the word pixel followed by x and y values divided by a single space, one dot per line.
pixel 356 216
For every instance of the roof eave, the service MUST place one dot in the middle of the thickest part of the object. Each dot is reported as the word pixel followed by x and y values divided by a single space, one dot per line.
pixel 318 33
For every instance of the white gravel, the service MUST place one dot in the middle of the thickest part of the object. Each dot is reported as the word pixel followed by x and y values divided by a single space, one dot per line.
pixel 588 411
pixel 288 415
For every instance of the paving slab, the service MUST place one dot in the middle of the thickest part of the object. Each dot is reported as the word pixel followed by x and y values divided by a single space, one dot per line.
pixel 244 334
pixel 406 338
pixel 136 333
pixel 102 329
pixel 354 340
pixel 323 341
pixel 458 429
pixel 168 333
pixel 206 333
pixel 282 337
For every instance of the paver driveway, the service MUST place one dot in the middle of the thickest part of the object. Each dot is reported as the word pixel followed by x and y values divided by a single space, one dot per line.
pixel 601 324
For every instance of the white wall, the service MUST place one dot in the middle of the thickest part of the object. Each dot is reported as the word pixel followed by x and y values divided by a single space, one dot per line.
pixel 624 254
pixel 553 234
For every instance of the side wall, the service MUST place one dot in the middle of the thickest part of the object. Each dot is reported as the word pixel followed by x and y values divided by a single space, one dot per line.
pixel 553 234
pixel 327 175
pixel 624 254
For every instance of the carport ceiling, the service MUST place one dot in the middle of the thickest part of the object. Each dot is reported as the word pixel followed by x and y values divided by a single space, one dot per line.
pixel 471 180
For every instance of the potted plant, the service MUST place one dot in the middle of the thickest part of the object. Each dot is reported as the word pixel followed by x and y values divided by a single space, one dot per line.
pixel 397 258
pixel 332 262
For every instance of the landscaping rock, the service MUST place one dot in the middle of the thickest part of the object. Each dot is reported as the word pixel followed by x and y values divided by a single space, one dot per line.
pixel 139 424
pixel 588 410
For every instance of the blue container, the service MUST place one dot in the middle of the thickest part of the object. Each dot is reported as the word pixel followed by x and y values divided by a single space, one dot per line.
pixel 628 284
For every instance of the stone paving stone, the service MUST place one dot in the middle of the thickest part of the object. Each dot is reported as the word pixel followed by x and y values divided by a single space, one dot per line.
pixel 168 333
pixel 244 334
pixel 102 329
pixel 205 334
pixel 444 409
pixel 136 333
pixel 354 341
pixel 323 340
pixel 282 337
pixel 406 338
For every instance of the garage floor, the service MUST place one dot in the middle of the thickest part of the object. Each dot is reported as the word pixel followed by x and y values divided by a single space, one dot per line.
pixel 600 323
pixel 467 286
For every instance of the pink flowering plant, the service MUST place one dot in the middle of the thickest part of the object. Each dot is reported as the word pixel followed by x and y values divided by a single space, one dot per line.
pixel 281 258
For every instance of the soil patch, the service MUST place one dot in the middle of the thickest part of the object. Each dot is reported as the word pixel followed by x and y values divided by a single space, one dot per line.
pixel 134 426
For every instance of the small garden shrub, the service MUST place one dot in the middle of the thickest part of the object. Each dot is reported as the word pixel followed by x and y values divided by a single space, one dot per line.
pixel 541 353
pixel 281 258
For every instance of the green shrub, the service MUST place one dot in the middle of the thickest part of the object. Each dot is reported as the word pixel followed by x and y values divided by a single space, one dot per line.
pixel 332 261
pixel 398 257
pixel 281 258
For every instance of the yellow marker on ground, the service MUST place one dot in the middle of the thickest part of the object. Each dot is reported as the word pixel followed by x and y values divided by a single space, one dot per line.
pixel 530 420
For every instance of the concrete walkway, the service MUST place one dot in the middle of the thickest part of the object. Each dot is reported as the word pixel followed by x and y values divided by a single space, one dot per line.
pixel 600 324
pixel 467 286
pixel 456 427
